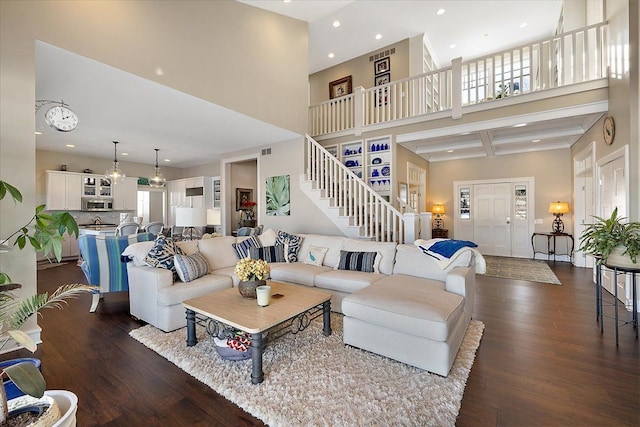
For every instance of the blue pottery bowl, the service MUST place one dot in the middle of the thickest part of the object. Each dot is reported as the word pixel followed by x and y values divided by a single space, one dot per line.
pixel 10 388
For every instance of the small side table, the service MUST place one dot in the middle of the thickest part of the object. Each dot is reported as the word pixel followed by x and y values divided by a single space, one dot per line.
pixel 600 313
pixel 551 236
pixel 441 233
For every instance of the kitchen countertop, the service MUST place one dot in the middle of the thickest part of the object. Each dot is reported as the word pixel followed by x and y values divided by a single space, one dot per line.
pixel 93 229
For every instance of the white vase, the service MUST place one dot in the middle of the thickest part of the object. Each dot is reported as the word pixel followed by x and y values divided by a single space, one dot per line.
pixel 616 259
pixel 68 404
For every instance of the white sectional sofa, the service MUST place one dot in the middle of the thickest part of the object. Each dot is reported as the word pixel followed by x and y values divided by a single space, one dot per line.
pixel 411 310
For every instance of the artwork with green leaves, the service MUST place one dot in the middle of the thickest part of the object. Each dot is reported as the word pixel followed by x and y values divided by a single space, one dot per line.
pixel 278 195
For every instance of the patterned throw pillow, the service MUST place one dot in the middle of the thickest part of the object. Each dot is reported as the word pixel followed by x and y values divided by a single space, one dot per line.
pixel 161 255
pixel 190 267
pixel 314 255
pixel 242 248
pixel 268 253
pixel 292 244
pixel 357 261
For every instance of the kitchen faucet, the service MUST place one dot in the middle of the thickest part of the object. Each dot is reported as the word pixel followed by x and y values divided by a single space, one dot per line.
pixel 97 220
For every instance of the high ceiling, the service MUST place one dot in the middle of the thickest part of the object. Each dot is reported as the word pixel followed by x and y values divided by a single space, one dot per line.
pixel 146 112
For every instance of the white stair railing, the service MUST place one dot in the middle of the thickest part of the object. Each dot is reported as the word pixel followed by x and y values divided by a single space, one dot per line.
pixel 376 218
pixel 561 60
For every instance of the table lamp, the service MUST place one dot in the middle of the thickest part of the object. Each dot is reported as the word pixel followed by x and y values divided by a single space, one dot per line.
pixel 558 209
pixel 190 218
pixel 438 211
pixel 214 219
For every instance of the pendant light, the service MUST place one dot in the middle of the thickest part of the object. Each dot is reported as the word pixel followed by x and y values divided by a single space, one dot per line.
pixel 157 180
pixel 115 174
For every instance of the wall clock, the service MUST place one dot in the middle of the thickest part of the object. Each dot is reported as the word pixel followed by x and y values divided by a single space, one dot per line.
pixel 609 130
pixel 61 118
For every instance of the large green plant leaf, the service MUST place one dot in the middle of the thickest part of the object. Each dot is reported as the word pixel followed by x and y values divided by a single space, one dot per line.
pixel 27 378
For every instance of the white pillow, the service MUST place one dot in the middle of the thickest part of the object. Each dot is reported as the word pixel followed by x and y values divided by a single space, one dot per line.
pixel 314 255
pixel 138 252
pixel 268 237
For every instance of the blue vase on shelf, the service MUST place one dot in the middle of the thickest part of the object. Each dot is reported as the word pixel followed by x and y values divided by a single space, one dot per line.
pixel 375 173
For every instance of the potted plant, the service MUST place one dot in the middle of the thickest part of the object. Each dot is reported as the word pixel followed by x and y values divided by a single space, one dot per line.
pixel 616 242
pixel 45 233
pixel 252 273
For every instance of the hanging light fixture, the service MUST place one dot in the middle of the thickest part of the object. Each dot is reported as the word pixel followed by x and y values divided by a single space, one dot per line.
pixel 115 174
pixel 157 180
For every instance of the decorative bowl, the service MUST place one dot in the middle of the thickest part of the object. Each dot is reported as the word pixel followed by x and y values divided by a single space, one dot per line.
pixel 386 171
pixel 376 161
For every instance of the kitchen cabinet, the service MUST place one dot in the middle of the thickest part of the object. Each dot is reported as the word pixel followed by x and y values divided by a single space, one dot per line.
pixel 125 196
pixel 64 191
pixel 217 192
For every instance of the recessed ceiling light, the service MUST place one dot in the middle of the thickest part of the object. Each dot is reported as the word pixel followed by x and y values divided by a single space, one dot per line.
pixel 378 36
pixel 524 24
pixel 336 23
pixel 535 140
pixel 440 11
pixel 452 46
pixel 286 1
pixel 449 151
pixel 124 154
pixel 167 160
pixel 38 133
pixel 159 71
pixel 70 146
pixel 331 55
pixel 519 125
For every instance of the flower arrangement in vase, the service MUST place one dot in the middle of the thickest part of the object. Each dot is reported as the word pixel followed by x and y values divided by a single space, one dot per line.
pixel 252 273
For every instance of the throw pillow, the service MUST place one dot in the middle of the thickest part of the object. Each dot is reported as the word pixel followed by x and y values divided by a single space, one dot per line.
pixel 161 255
pixel 291 244
pixel 357 261
pixel 138 252
pixel 314 255
pixel 190 267
pixel 268 238
pixel 268 253
pixel 242 249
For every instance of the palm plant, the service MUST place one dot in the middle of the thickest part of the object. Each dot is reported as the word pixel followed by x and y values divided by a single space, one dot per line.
pixel 45 233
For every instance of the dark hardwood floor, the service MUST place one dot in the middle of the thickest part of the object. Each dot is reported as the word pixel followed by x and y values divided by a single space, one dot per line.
pixel 542 361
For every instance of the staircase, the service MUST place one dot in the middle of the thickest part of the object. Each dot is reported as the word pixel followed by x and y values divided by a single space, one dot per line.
pixel 350 202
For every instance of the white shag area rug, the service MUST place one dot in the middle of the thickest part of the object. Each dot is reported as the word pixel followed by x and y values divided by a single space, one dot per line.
pixel 313 380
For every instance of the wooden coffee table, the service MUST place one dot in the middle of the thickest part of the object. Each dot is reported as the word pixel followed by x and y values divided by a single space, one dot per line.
pixel 291 313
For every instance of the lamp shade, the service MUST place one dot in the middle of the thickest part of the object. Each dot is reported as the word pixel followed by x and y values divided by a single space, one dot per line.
pixel 559 208
pixel 437 209
pixel 213 217
pixel 191 217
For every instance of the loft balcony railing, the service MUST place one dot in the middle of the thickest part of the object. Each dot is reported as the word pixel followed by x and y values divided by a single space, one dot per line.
pixel 566 59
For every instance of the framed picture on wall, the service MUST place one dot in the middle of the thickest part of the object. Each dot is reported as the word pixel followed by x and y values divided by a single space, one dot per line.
pixel 340 87
pixel 382 79
pixel 382 66
pixel 243 195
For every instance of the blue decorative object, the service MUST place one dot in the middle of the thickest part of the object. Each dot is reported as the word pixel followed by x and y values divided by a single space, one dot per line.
pixel 373 147
pixel 375 173
pixel 376 161
pixel 386 171
pixel 350 163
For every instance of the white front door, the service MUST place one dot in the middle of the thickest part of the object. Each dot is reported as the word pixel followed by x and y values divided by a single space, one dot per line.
pixel 492 218
pixel 613 194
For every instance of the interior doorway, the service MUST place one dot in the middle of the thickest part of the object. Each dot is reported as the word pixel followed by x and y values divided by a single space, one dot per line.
pixel 416 182
pixel 151 205
pixel 241 172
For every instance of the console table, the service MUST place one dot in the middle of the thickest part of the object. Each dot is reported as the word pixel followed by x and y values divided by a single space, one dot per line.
pixel 599 303
pixel 551 237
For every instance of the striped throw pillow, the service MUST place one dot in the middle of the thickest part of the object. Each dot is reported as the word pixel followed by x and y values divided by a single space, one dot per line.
pixel 242 249
pixel 357 261
pixel 190 267
pixel 268 253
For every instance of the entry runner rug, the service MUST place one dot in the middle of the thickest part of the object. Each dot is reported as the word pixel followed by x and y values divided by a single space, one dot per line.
pixel 313 380
pixel 520 269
